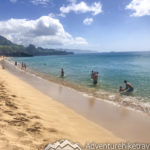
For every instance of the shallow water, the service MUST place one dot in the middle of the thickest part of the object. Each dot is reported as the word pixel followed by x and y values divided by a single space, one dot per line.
pixel 113 69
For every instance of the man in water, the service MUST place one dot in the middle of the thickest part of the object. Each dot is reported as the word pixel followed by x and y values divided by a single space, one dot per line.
pixel 95 78
pixel 129 87
pixel 62 72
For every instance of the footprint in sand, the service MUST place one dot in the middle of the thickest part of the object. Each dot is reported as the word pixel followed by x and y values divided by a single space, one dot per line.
pixel 2 97
pixel 21 114
pixel 52 130
pixel 13 96
pixel 10 104
pixel 35 128
pixel 29 117
pixel 9 112
pixel 19 121
pixel 34 117
pixel 4 139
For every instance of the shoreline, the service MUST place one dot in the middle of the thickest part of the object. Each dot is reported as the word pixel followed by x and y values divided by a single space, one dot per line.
pixel 130 102
pixel 30 120
pixel 99 111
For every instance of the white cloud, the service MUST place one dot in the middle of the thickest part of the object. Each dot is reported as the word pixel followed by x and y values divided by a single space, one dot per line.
pixel 88 21
pixel 140 7
pixel 82 7
pixel 44 31
pixel 52 15
pixel 35 2
pixel 13 1
pixel 41 2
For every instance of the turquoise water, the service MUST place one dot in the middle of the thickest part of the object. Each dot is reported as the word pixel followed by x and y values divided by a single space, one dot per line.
pixel 113 69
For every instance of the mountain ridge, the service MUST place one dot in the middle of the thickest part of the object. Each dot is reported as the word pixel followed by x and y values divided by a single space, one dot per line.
pixel 10 49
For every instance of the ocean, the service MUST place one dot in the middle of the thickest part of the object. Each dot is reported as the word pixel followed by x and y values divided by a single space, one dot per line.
pixel 113 69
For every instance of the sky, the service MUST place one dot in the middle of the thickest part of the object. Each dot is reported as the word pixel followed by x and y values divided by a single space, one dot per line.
pixel 96 25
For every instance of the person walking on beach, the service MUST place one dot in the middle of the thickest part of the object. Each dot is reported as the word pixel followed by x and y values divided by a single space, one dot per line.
pixel 25 66
pixel 62 73
pixel 15 63
pixel 129 87
pixel 22 65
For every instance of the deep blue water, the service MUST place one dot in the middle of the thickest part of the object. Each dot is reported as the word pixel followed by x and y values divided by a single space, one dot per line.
pixel 113 69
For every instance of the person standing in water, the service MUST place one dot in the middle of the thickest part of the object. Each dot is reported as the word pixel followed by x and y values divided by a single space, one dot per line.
pixel 95 78
pixel 92 73
pixel 62 72
pixel 129 87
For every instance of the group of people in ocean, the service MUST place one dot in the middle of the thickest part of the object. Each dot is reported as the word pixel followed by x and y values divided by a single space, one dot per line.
pixel 23 65
pixel 129 88
pixel 94 76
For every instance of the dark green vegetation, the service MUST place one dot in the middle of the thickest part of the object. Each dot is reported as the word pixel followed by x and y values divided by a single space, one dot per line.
pixel 7 48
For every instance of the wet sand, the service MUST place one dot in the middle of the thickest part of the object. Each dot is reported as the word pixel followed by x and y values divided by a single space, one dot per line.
pixel 30 120
pixel 125 123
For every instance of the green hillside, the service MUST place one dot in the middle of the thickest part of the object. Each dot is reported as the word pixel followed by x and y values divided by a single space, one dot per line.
pixel 7 48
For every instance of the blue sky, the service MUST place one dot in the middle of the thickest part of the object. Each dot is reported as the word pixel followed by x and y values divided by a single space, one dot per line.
pixel 101 25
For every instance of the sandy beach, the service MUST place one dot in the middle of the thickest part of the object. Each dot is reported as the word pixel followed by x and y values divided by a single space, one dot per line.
pixel 74 75
pixel 30 120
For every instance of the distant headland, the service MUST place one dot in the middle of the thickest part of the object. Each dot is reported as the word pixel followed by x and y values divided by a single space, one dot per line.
pixel 9 49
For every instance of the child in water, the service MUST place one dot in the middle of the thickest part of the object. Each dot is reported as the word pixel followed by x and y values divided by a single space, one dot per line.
pixel 121 89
